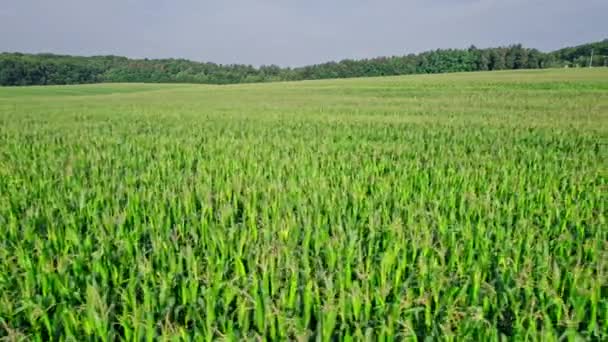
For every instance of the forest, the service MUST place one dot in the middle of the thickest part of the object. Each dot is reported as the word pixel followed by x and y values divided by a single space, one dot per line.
pixel 19 69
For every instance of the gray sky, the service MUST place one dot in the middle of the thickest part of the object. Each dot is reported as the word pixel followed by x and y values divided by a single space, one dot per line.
pixel 290 32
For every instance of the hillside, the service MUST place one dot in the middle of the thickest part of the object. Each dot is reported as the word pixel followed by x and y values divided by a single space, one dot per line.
pixel 47 69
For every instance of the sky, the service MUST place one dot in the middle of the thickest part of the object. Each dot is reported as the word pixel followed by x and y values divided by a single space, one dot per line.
pixel 292 32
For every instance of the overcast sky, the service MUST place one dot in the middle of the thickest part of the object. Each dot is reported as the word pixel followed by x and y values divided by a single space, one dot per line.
pixel 292 32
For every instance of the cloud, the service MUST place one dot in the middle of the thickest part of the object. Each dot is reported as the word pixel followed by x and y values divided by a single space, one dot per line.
pixel 6 12
pixel 290 32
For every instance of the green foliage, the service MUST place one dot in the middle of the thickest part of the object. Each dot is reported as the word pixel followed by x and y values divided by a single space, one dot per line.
pixel 46 69
pixel 437 207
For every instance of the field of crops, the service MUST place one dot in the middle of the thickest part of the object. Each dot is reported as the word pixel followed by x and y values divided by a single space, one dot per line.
pixel 463 206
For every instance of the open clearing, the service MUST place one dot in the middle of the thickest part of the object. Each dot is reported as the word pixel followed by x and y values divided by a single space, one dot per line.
pixel 459 205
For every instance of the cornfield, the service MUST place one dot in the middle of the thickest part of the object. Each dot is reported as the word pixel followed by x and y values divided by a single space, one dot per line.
pixel 437 207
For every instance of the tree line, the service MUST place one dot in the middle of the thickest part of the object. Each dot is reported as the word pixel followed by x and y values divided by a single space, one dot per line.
pixel 18 69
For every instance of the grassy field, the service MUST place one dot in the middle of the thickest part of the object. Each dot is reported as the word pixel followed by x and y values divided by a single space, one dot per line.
pixel 462 206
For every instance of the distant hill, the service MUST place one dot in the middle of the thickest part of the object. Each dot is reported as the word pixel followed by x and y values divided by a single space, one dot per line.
pixel 581 54
pixel 18 69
